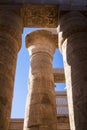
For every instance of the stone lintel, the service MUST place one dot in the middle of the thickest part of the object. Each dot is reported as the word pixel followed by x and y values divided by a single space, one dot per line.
pixel 59 75
pixel 40 15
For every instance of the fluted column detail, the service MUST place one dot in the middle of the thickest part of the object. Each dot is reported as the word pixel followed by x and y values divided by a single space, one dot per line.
pixel 72 32
pixel 10 43
pixel 41 105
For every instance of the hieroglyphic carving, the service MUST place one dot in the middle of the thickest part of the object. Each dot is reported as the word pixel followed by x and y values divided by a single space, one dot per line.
pixel 40 15
pixel 74 50
pixel 10 37
pixel 41 104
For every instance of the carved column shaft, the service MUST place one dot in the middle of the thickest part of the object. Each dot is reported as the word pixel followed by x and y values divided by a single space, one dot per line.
pixel 73 45
pixel 41 104
pixel 10 43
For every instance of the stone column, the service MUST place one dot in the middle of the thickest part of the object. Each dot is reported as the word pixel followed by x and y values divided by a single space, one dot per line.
pixel 73 45
pixel 10 43
pixel 41 102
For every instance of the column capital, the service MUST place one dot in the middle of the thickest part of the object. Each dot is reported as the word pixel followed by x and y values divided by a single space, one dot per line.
pixel 11 25
pixel 71 23
pixel 41 41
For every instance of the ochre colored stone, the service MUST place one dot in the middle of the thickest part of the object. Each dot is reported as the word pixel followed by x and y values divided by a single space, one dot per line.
pixel 10 38
pixel 73 45
pixel 41 100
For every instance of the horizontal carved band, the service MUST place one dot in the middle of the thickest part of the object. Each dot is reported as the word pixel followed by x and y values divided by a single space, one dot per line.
pixel 40 15
pixel 58 75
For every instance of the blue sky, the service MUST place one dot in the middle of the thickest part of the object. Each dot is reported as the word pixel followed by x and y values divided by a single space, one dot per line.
pixel 21 78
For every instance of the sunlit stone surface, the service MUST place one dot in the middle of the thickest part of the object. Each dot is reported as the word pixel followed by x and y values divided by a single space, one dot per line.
pixel 41 100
